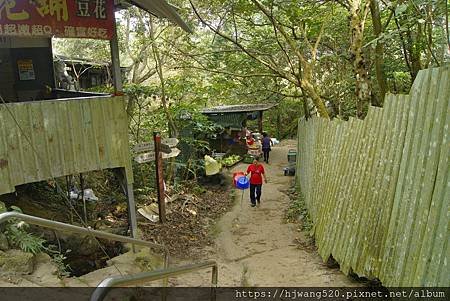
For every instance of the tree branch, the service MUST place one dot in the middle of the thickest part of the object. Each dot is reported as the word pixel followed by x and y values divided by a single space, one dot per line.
pixel 240 46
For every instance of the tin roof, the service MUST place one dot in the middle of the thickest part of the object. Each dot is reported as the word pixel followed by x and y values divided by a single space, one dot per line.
pixel 162 9
pixel 239 108
pixel 81 61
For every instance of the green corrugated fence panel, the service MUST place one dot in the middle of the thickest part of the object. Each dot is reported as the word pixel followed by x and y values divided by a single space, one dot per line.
pixel 376 193
pixel 366 208
pixel 361 207
pixel 432 257
pixel 390 176
pixel 404 190
pixel 378 190
pixel 5 184
pixel 57 138
pixel 424 175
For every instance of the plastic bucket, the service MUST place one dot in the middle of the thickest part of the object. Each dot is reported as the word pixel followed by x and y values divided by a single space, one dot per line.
pixel 242 183
pixel 236 176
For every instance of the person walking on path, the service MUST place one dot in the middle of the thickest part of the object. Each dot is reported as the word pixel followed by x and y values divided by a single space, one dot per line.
pixel 266 144
pixel 257 173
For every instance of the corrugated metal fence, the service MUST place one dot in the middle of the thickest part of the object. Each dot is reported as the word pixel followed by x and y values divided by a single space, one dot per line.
pixel 378 190
pixel 47 139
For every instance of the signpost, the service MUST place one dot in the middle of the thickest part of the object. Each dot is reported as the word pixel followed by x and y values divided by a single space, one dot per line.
pixel 143 147
pixel 171 142
pixel 174 153
pixel 150 146
pixel 145 157
pixel 158 150
pixel 159 177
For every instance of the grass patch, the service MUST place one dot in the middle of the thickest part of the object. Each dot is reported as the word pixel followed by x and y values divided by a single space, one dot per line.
pixel 244 277
pixel 215 230
pixel 233 196
pixel 298 213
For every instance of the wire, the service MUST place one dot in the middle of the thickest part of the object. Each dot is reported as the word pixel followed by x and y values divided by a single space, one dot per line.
pixel 58 190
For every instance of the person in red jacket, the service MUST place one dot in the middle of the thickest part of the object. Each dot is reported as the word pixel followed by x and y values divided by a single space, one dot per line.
pixel 257 173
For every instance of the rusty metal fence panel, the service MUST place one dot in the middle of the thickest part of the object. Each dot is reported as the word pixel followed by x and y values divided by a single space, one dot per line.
pixel 378 190
pixel 46 139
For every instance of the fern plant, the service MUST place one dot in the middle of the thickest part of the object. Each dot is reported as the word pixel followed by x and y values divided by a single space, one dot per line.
pixel 17 235
pixel 64 269
pixel 25 241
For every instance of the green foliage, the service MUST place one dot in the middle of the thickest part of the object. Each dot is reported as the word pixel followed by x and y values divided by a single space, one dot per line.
pixel 282 121
pixel 204 69
pixel 19 238
pixel 17 235
pixel 298 212
pixel 58 258
pixel 97 50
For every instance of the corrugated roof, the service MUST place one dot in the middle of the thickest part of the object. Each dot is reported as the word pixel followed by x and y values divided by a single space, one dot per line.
pixel 80 61
pixel 238 108
pixel 233 120
pixel 162 9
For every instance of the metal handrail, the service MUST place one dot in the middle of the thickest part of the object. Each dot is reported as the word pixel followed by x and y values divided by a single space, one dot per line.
pixel 4 217
pixel 103 288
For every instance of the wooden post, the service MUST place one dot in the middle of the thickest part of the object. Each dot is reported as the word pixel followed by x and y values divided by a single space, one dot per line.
pixel 131 210
pixel 260 122
pixel 117 75
pixel 83 198
pixel 159 177
pixel 127 188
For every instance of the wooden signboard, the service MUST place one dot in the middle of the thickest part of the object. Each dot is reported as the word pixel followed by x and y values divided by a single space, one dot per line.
pixel 171 142
pixel 150 146
pixel 145 157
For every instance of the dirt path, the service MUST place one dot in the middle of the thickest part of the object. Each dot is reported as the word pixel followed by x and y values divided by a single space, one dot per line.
pixel 255 247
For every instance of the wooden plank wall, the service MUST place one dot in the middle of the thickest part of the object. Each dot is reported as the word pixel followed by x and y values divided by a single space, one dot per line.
pixel 378 190
pixel 46 139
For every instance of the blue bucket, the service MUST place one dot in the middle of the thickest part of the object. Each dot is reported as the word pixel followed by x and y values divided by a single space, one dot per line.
pixel 242 183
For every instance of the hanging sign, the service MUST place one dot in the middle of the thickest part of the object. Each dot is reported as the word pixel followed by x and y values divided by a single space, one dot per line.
pixel 61 18
pixel 26 70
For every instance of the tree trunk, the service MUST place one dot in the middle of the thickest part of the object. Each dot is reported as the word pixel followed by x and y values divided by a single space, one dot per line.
pixel 316 99
pixel 379 51
pixel 362 86
pixel 414 50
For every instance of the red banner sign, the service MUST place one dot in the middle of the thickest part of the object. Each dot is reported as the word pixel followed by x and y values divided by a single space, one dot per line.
pixel 61 18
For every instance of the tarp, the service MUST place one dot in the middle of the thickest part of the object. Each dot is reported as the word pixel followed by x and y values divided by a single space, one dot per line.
pixel 212 167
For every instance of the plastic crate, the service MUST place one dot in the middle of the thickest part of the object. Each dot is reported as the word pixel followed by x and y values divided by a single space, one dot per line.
pixel 248 159
pixel 292 156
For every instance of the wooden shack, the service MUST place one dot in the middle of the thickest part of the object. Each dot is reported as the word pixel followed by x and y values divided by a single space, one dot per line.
pixel 48 132
pixel 233 118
